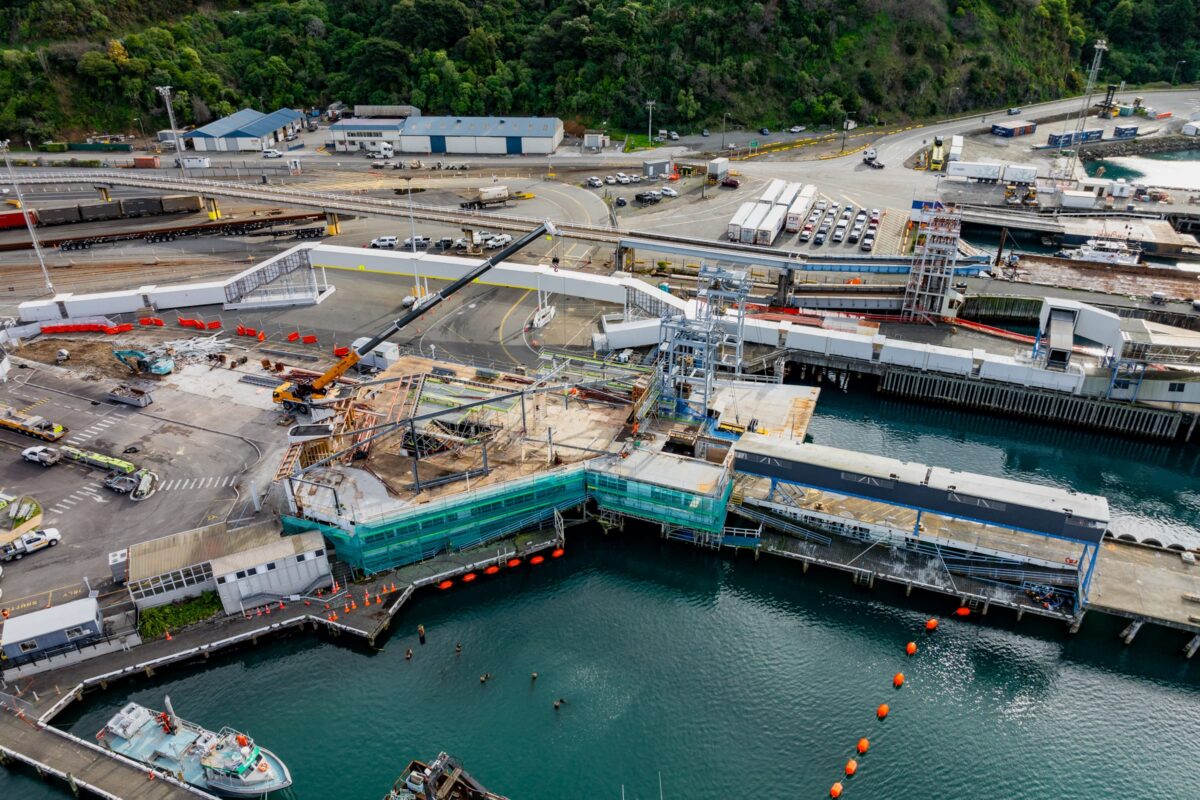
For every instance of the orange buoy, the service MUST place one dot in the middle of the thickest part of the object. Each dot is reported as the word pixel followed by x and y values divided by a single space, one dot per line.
pixel 492 570
pixel 963 611
pixel 911 648
pixel 558 553
pixel 470 576
pixel 931 625
pixel 445 585
pixel 537 560
pixel 514 562
pixel 836 790
pixel 851 767
pixel 863 745
pixel 882 711
pixel 898 680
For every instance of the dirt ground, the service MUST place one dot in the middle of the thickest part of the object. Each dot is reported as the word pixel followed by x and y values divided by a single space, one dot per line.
pixel 91 358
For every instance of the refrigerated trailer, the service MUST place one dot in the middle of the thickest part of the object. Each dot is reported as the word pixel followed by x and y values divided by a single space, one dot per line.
pixel 771 225
pixel 981 171
pixel 752 223
pixel 798 211
pixel 734 232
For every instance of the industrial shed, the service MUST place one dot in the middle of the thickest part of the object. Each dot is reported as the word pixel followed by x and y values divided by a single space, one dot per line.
pixel 353 135
pixel 482 135
pixel 187 564
pixel 53 630
pixel 246 130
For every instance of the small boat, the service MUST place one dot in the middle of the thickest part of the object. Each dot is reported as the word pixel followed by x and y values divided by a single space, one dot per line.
pixel 227 762
pixel 1105 250
pixel 443 777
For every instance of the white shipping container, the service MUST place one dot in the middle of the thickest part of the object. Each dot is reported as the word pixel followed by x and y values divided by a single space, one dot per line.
pixel 718 168
pixel 903 354
pixel 788 195
pixel 956 141
pixel 1021 173
pixel 637 333
pixel 975 170
pixel 771 226
pixel 955 154
pixel 103 304
pixel 752 223
pixel 734 231
pixel 951 360
pixel 1002 368
pixel 1072 198
pixel 772 191
pixel 798 211
pixel 810 340
pixel 848 345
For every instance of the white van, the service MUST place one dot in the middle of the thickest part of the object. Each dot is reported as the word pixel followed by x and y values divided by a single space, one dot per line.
pixel 384 243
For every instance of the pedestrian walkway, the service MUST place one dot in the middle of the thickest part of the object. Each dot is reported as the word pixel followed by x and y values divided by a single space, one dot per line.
pixel 92 492
pixel 92 431
pixel 208 482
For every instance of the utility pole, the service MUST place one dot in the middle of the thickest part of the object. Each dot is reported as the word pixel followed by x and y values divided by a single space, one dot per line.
pixel 650 124
pixel 845 128
pixel 1176 69
pixel 37 246
pixel 165 91
pixel 724 117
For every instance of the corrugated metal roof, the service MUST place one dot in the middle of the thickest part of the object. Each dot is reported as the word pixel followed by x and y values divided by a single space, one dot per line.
pixel 482 126
pixel 197 546
pixel 246 123
pixel 367 125
pixel 282 547
pixel 49 620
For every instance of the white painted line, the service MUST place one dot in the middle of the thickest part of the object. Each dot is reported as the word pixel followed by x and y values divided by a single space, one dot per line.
pixel 169 485
pixel 67 502
pixel 207 482
pixel 191 484
pixel 228 480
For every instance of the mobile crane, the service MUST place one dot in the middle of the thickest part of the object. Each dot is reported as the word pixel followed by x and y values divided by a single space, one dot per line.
pixel 298 397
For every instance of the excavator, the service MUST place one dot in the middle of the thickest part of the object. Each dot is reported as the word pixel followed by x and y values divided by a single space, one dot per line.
pixel 297 397
pixel 140 363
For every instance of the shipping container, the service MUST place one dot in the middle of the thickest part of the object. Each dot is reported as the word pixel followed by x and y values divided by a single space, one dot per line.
pixel 1125 131
pixel 1092 135
pixel 196 162
pixel 180 203
pixel 788 195
pixel 772 191
pixel 1060 139
pixel 810 340
pixel 798 211
pixel 903 354
pixel 982 171
pixel 386 111
pixel 14 219
pixel 1014 128
pixel 1002 368
pixel 738 220
pixel 753 221
pixel 848 345
pixel 718 168
pixel 97 212
pixel 952 360
pixel 1070 198
pixel 1021 173
pixel 145 162
pixel 771 226
pixel 141 206
pixel 955 154
pixel 58 216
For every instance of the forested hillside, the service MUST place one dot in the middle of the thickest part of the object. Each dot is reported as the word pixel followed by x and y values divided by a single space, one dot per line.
pixel 72 66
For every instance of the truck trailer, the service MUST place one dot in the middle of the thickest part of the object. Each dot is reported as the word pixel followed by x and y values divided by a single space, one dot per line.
pixel 798 211
pixel 734 232
pixel 1021 174
pixel 981 171
pixel 487 196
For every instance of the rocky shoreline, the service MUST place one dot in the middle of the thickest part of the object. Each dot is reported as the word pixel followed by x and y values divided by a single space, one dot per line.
pixel 1136 147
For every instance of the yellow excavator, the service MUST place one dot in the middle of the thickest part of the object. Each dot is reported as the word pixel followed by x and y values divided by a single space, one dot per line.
pixel 297 397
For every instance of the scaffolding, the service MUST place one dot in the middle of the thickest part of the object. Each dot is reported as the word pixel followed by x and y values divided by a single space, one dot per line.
pixel 931 281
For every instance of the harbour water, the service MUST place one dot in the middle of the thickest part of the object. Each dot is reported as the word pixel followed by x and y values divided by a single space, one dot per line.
pixel 731 677
pixel 1180 169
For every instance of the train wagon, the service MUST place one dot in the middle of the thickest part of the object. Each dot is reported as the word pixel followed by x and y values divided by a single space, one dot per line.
pixel 58 216
pixel 141 206
pixel 181 203
pixel 99 212
pixel 14 219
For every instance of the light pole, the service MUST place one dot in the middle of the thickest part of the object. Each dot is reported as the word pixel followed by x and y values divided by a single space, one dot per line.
pixel 412 221
pixel 37 246
pixel 1176 69
pixel 724 117
pixel 845 128
pixel 165 91
pixel 141 128
pixel 650 122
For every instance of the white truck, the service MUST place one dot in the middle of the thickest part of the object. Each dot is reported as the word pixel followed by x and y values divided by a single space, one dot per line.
pixel 381 149
pixel 1021 174
pixel 29 543
pixel 486 196
pixel 982 171
pixel 40 454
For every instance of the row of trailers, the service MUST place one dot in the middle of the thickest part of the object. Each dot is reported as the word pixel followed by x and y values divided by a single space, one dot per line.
pixel 781 206
pixel 128 208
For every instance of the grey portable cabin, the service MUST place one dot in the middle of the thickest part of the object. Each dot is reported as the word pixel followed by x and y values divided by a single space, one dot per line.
pixel 51 631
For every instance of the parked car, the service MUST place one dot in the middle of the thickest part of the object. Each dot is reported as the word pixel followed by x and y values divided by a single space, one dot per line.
pixel 855 234
pixel 807 233
pixel 731 146
pixel 384 243
pixel 822 205
pixel 610 180
pixel 764 131
pixel 868 244
pixel 444 243
pixel 272 153
pixel 595 182
pixel 875 215
pixel 674 136
pixel 1012 112
pixel 819 239
pixel 621 202
pixel 421 242
pixel 704 132
pixel 731 183
pixel 667 191
pixel 635 178
pixel 498 241
pixel 622 178
pixel 796 129
pixel 839 234
pixel 291 137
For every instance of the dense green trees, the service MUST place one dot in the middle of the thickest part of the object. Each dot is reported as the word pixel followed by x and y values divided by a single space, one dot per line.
pixel 79 65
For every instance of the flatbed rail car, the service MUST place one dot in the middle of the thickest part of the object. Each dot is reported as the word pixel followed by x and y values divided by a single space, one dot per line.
pixel 37 427
pixel 126 208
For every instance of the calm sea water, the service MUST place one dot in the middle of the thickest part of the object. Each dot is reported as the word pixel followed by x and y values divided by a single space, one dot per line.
pixel 731 677
pixel 1180 169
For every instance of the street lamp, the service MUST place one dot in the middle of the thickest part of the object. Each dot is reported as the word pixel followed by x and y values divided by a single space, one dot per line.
pixel 845 128
pixel 165 91
pixel 724 117
pixel 1176 69
pixel 37 246
pixel 141 128
pixel 412 221
pixel 650 123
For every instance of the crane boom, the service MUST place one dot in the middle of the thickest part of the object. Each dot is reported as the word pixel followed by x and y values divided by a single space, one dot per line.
pixel 295 396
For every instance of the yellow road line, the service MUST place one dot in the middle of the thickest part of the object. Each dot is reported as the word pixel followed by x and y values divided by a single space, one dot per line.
pixel 504 319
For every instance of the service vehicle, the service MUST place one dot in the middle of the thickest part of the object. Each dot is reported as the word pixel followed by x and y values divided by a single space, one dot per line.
pixel 29 543
pixel 37 427
pixel 41 454
pixel 420 242
pixel 272 153
pixel 498 241
pixel 610 180
pixel 384 243
pixel 594 182
pixel 667 191
pixel 444 243
pixel 486 196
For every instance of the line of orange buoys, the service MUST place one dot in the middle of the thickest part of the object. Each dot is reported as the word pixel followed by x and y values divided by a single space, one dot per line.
pixel 883 710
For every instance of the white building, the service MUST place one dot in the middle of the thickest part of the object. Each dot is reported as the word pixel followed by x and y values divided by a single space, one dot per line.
pixel 451 135
pixel 246 130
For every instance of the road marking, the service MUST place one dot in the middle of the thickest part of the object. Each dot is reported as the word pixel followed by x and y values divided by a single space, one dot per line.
pixel 504 319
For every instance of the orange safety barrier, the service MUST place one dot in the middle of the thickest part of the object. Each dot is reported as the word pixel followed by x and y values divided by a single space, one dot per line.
pixel 146 321
pixel 214 325
pixel 247 331
pixel 310 339
pixel 262 337
pixel 293 336
pixel 339 352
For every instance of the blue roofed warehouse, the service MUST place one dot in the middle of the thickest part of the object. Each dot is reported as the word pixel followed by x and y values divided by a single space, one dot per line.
pixel 246 130
pixel 450 135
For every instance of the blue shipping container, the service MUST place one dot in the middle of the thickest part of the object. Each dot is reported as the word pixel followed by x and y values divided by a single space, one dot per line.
pixel 1125 131
pixel 1093 135
pixel 1001 130
pixel 1060 139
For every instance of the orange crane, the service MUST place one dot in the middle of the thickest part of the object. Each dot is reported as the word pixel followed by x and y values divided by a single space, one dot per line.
pixel 298 397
